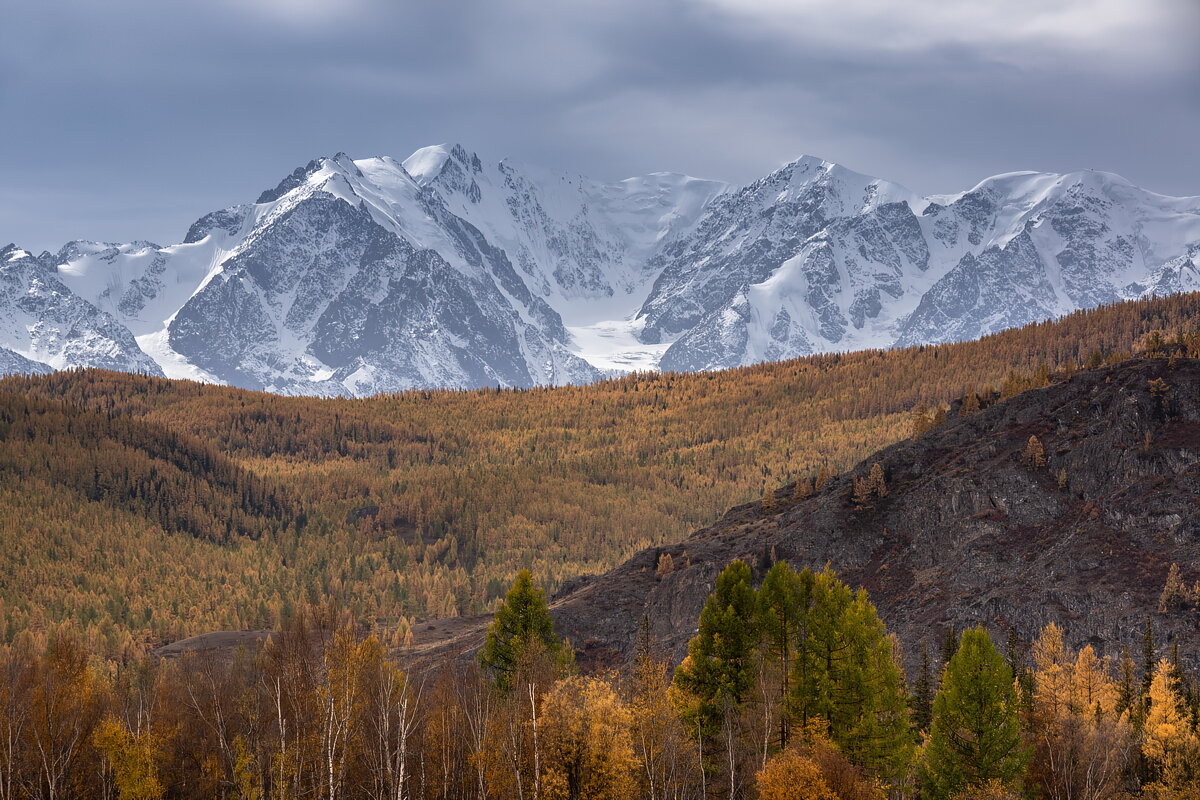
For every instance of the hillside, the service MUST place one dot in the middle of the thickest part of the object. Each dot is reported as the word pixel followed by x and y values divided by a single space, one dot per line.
pixel 425 504
pixel 973 527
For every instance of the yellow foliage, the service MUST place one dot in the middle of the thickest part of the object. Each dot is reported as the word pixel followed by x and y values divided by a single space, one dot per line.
pixel 131 759
pixel 791 776
pixel 588 750
pixel 1167 738
pixel 427 503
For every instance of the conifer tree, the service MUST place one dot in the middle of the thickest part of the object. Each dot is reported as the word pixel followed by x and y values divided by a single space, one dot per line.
pixel 1169 743
pixel 719 670
pixel 970 404
pixel 1035 453
pixel 1175 592
pixel 949 646
pixel 1081 743
pixel 975 737
pixel 877 480
pixel 1149 659
pixel 869 717
pixel 845 675
pixel 1127 687
pixel 521 620
pixel 782 602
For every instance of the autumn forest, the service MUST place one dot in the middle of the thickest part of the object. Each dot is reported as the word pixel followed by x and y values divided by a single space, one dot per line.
pixel 136 512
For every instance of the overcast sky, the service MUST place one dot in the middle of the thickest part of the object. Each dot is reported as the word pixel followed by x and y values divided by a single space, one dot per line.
pixel 129 119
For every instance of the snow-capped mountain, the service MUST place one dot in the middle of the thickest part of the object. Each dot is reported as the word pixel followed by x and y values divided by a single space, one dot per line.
pixel 816 258
pixel 44 324
pixel 363 276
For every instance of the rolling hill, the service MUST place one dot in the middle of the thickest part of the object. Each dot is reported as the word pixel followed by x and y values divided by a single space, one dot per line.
pixel 424 504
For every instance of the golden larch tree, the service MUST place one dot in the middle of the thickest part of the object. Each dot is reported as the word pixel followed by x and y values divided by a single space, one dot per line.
pixel 588 751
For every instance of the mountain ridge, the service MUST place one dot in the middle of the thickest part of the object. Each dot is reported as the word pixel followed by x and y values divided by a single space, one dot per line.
pixel 356 277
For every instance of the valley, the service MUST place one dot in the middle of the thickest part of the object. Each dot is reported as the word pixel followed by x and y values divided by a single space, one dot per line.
pixel 423 505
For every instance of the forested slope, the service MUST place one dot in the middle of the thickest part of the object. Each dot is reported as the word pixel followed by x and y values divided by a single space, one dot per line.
pixel 424 504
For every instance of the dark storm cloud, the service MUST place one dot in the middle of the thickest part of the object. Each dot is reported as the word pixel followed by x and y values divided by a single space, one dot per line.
pixel 130 119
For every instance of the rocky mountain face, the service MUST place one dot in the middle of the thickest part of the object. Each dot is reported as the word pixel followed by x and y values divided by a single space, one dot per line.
pixel 970 530
pixel 816 258
pixel 353 277
pixel 44 325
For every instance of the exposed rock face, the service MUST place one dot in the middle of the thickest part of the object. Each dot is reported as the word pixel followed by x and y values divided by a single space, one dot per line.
pixel 969 531
pixel 15 364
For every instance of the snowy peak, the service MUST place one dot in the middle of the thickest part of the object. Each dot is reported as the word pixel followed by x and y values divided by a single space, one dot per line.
pixel 10 252
pixel 352 277
pixel 44 322
pixel 844 191
pixel 815 258
pixel 430 163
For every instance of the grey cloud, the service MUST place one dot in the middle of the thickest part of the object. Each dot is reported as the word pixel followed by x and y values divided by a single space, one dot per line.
pixel 131 118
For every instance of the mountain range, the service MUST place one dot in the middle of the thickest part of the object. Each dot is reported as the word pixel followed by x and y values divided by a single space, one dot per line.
pixel 355 277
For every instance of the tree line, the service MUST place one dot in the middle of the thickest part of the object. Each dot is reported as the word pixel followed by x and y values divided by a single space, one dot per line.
pixel 790 689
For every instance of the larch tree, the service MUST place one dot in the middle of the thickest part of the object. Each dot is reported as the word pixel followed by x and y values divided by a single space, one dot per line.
pixel 975 736
pixel 1168 741
pixel 845 675
pixel 720 666
pixel 783 601
pixel 1035 453
pixel 588 751
pixel 922 696
pixel 1149 660
pixel 1082 743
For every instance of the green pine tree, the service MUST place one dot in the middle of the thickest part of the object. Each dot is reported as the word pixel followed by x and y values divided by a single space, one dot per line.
pixel 846 674
pixel 783 600
pixel 719 669
pixel 949 646
pixel 1149 659
pixel 869 717
pixel 521 622
pixel 1127 686
pixel 975 735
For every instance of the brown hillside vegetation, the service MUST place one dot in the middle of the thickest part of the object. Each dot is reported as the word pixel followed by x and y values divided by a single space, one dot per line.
pixel 1096 530
pixel 425 504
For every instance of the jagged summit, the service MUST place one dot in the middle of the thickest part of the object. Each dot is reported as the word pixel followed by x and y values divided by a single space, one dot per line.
pixel 355 276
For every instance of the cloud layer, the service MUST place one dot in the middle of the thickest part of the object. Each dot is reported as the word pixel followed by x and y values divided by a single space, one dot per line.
pixel 130 118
